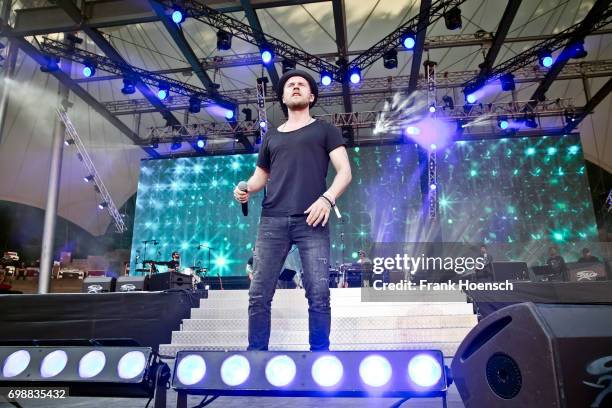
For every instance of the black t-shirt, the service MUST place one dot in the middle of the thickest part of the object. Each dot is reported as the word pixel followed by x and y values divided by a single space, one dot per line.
pixel 297 162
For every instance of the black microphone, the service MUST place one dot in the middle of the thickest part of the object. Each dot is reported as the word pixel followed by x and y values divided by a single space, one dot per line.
pixel 242 186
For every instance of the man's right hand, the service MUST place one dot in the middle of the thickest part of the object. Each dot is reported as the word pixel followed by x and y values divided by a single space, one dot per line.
pixel 241 196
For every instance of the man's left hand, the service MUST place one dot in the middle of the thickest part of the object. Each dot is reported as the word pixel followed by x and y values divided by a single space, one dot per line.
pixel 318 212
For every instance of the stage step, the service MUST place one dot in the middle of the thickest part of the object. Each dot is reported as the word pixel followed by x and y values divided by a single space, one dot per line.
pixel 361 310
pixel 436 321
pixel 340 323
pixel 455 334
pixel 447 348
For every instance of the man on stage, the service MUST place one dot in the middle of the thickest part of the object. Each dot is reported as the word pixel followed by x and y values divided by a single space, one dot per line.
pixel 292 163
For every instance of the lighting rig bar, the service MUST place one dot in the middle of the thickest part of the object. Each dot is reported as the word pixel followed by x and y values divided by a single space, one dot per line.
pixel 370 89
pixel 394 39
pixel 72 138
pixel 58 49
pixel 532 54
pixel 198 10
pixel 366 119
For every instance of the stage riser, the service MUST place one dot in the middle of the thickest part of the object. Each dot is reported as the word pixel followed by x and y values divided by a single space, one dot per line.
pixel 337 336
pixel 343 323
pixel 365 310
pixel 447 348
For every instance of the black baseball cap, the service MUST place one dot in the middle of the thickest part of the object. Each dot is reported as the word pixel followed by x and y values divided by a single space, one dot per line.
pixel 296 72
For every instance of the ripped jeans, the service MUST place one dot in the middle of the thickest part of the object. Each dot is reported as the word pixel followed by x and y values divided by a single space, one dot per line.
pixel 275 237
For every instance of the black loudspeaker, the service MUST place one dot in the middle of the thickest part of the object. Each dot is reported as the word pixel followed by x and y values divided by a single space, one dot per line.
pixel 170 280
pixel 132 283
pixel 528 355
pixel 512 271
pixel 98 284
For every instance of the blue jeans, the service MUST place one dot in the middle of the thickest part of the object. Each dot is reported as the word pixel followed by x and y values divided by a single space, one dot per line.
pixel 275 237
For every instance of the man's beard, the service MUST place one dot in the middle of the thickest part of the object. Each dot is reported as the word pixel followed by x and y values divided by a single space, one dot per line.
pixel 297 104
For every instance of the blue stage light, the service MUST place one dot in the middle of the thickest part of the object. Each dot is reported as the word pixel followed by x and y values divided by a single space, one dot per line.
pixel 263 124
pixel 178 17
pixel 235 370
pixel 229 114
pixel 131 365
pixel 89 71
pixel 424 370
pixel 409 41
pixel 201 142
pixel 162 94
pixel 432 109
pixel 16 363
pixel 503 123
pixel 375 371
pixel 266 56
pixel 191 369
pixel 326 79
pixel 327 371
pixel 92 364
pixel 471 98
pixel 413 130
pixel 433 146
pixel 433 187
pixel 545 58
pixel 280 371
pixel 53 363
pixel 355 76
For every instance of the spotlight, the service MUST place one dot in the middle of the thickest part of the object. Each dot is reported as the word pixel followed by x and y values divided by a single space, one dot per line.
pixel 424 370
pixel 266 56
pixel 224 40
pixel 53 363
pixel 195 104
pixel 103 205
pixel 432 187
pixel 530 121
pixel 51 64
pixel 235 370
pixel 327 371
pixel 375 371
pixel 570 116
pixel 355 75
pixel 16 363
pixel 263 124
pixel 577 50
pixel 470 95
pixel 452 18
pixel 176 143
pixel 280 371
pixel 326 78
pixel 390 59
pixel 201 142
pixel 507 82
pixel 413 130
pixel 129 86
pixel 163 91
pixel 248 114
pixel 502 122
pixel 432 108
pixel 89 69
pixel 545 58
pixel 178 16
pixel 88 179
pixel 448 102
pixel 409 40
pixel 229 114
pixel 191 369
pixel 288 65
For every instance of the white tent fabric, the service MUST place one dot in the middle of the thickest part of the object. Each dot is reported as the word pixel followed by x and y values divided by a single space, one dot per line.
pixel 25 146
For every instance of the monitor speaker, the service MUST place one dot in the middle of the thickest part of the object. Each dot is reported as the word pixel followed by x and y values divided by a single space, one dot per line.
pixel 99 284
pixel 529 355
pixel 132 283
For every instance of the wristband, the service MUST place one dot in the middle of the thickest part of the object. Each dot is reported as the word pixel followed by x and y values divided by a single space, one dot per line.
pixel 329 201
